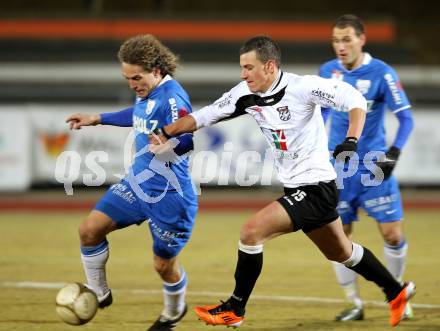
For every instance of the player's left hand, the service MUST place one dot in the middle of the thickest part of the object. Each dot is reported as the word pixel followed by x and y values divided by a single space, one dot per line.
pixel 388 162
pixel 345 150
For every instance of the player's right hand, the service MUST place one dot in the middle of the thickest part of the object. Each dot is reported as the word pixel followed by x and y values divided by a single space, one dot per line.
pixel 388 162
pixel 76 121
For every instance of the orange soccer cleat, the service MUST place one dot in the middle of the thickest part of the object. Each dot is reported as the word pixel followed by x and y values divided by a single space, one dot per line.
pixel 222 314
pixel 398 304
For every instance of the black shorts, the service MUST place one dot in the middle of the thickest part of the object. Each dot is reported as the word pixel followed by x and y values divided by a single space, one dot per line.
pixel 311 206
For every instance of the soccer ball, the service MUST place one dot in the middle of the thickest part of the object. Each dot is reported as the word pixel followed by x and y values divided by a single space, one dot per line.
pixel 76 304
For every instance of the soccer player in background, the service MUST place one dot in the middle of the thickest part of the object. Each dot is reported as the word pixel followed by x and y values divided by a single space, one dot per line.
pixel 155 180
pixel 380 85
pixel 284 106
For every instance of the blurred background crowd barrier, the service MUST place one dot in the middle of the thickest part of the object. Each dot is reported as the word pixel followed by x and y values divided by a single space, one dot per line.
pixel 60 57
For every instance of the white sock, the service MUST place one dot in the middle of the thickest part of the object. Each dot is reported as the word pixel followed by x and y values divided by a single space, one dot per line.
pixel 395 257
pixel 174 296
pixel 94 259
pixel 347 279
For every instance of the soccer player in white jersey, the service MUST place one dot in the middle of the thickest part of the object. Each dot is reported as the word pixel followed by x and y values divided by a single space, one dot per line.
pixel 284 106
pixel 379 84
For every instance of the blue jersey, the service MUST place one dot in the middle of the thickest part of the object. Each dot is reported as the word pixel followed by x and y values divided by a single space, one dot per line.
pixel 159 173
pixel 158 188
pixel 380 85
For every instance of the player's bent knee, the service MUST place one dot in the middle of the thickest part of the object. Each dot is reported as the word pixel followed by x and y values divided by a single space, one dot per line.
pixel 164 267
pixel 86 235
pixel 160 268
pixel 249 235
pixel 90 232
pixel 393 238
pixel 392 232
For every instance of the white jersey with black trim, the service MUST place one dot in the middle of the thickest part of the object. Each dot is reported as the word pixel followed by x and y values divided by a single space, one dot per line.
pixel 290 121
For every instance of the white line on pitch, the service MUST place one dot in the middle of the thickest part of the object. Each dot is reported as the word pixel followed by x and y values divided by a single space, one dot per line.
pixel 48 285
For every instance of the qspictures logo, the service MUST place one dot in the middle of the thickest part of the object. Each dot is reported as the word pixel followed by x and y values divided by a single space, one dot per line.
pixel 207 166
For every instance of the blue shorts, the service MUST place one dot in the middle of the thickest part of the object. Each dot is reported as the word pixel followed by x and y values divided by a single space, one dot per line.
pixel 170 219
pixel 382 202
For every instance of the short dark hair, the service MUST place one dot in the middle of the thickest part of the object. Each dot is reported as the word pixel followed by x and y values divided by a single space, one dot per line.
pixel 350 20
pixel 149 53
pixel 265 47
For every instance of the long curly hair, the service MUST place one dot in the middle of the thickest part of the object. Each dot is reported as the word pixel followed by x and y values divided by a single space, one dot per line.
pixel 149 53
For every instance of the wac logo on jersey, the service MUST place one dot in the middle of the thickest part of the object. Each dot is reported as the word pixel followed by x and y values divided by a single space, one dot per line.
pixel 284 113
pixel 363 85
pixel 150 105
pixel 336 74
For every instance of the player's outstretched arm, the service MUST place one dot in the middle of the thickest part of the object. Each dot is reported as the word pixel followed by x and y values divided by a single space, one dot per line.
pixel 186 124
pixel 78 120
pixel 222 108
pixel 123 118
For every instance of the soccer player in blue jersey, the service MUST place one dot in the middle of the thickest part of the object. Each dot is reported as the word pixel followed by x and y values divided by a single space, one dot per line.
pixel 158 187
pixel 380 198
